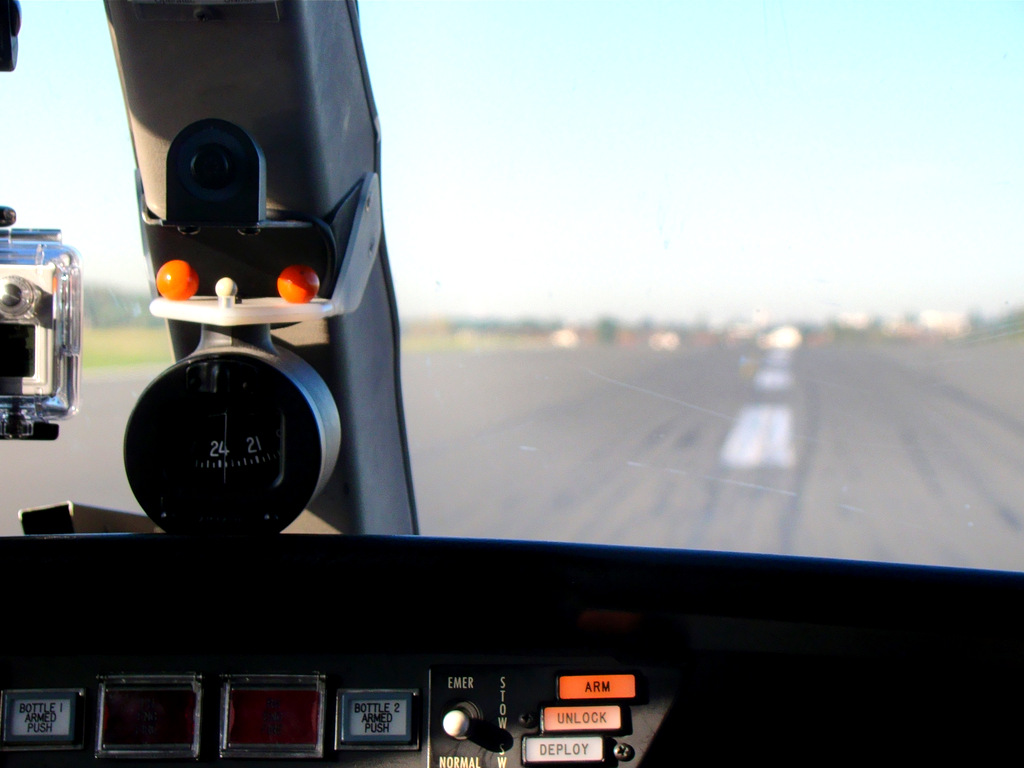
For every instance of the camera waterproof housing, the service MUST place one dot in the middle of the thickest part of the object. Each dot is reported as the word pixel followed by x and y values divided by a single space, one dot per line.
pixel 40 333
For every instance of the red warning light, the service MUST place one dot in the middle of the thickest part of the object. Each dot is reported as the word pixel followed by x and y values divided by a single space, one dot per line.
pixel 177 281
pixel 298 284
pixel 272 716
pixel 141 718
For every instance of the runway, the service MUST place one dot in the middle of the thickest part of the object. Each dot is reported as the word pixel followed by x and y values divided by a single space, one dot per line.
pixel 910 454
pixel 893 453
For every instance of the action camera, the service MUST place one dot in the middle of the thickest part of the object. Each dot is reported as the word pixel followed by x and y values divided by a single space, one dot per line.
pixel 40 332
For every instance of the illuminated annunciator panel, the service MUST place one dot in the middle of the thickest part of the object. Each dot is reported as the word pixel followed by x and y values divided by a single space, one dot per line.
pixel 154 716
pixel 494 716
pixel 42 719
pixel 272 716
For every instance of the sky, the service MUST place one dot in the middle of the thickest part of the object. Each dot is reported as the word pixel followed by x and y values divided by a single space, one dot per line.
pixel 672 161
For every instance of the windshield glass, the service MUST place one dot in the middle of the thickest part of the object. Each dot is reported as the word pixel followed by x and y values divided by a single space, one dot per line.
pixel 716 276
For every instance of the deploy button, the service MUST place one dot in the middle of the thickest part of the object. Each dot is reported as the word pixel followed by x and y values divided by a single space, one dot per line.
pixel 562 749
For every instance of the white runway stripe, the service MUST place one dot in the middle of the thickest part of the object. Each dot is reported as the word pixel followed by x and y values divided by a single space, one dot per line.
pixel 761 437
pixel 773 380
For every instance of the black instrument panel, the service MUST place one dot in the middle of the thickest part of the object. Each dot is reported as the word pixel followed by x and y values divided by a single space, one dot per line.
pixel 728 656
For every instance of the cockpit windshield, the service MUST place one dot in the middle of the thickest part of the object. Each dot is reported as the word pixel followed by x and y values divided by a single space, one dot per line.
pixel 741 277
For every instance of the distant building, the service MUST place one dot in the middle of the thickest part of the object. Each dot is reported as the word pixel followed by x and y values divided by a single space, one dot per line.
pixel 857 321
pixel 783 337
pixel 664 341
pixel 565 338
pixel 944 323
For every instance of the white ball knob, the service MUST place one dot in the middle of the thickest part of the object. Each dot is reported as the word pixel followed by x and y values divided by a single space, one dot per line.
pixel 226 287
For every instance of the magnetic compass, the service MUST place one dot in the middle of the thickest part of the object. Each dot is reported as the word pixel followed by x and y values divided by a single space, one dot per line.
pixel 231 442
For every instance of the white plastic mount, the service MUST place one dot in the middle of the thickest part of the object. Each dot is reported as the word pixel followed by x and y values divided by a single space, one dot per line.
pixel 348 291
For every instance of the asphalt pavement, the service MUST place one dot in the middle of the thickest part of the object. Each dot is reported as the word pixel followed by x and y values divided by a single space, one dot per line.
pixel 908 454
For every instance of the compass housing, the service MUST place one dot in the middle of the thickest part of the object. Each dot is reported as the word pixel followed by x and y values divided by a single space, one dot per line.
pixel 234 440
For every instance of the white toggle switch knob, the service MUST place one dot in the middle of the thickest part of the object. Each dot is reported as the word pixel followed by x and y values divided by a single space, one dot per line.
pixel 456 723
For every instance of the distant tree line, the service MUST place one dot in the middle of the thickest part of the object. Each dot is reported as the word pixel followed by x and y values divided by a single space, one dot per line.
pixel 107 306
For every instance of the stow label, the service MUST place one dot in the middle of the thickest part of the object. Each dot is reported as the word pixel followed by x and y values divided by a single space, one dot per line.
pixel 502 756
pixel 597 717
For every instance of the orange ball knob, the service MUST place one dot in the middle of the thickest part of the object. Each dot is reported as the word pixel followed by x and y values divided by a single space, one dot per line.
pixel 177 281
pixel 298 284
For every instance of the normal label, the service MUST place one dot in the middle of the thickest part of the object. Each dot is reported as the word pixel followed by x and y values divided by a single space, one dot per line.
pixel 563 749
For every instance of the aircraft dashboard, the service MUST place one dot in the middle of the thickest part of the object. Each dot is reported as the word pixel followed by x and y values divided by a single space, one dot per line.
pixel 412 651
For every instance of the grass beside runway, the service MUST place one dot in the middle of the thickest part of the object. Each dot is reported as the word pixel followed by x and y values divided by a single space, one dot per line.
pixel 124 346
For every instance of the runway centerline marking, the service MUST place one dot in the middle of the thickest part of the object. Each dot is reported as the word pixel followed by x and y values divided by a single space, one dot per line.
pixel 761 437
pixel 773 380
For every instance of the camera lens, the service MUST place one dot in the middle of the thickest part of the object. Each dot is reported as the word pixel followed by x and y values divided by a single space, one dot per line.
pixel 16 297
pixel 12 296
pixel 211 167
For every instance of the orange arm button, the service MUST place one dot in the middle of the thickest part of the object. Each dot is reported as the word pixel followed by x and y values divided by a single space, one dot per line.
pixel 597 686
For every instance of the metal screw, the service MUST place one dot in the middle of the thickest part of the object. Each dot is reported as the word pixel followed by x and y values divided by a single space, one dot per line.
pixel 623 752
pixel 528 720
